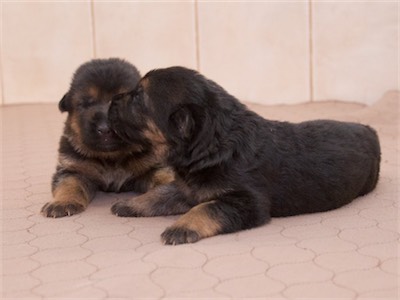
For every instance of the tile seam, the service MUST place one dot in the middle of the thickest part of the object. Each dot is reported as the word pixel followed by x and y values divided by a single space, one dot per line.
pixel 311 50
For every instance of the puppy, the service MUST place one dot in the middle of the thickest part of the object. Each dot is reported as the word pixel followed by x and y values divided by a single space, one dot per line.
pixel 236 170
pixel 91 156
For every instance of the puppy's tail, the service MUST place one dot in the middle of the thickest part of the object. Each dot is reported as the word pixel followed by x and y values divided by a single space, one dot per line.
pixel 372 141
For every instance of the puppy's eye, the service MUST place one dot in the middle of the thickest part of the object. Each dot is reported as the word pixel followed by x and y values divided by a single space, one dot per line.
pixel 136 97
pixel 119 96
pixel 86 102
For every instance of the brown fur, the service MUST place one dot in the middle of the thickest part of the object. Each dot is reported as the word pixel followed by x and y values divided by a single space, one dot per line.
pixel 91 156
pixel 196 223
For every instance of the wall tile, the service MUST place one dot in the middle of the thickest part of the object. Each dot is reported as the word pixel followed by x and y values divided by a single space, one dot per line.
pixel 258 51
pixel 356 49
pixel 148 34
pixel 43 43
pixel 1 85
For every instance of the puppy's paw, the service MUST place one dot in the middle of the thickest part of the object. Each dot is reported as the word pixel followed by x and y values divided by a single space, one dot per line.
pixel 61 209
pixel 179 235
pixel 122 209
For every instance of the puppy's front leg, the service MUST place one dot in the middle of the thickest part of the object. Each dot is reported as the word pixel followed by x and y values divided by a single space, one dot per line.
pixel 229 213
pixel 71 195
pixel 163 200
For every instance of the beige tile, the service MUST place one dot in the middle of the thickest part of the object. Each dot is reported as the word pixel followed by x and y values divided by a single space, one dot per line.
pixel 131 286
pixel 56 226
pixel 195 294
pixel 17 284
pixel 61 255
pixel 148 34
pixel 258 51
pixel 18 250
pixel 111 243
pixel 212 251
pixel 295 273
pixel 274 240
pixel 380 214
pixel 257 286
pixel 60 288
pixel 18 266
pixel 233 266
pixel 110 258
pixel 175 280
pixel 391 266
pixel 326 245
pixel 275 255
pixel 16 237
pixel 309 231
pixel 63 271
pixel 16 213
pixel 43 43
pixel 355 49
pixel 85 293
pixel 363 281
pixel 392 293
pixel 346 261
pixel 367 236
pixel 59 240
pixel 344 222
pixel 103 230
pixel 320 290
pixel 135 267
pixel 381 251
pixel 178 257
pixel 13 225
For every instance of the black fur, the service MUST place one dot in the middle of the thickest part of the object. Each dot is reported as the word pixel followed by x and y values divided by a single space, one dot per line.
pixel 246 168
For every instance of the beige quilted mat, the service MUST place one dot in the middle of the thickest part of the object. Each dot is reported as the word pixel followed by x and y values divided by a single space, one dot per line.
pixel 349 253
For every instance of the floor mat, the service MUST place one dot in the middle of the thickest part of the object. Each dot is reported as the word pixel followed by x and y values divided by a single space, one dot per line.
pixel 348 253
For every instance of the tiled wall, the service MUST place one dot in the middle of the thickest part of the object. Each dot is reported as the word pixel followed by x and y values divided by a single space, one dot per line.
pixel 266 52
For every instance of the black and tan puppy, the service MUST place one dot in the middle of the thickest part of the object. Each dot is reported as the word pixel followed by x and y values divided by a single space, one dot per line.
pixel 236 169
pixel 91 156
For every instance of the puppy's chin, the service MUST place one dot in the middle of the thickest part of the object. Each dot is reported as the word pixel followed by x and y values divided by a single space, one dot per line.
pixel 107 146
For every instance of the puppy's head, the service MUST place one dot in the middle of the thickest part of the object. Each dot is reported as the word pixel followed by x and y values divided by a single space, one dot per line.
pixel 172 100
pixel 93 86
pixel 190 111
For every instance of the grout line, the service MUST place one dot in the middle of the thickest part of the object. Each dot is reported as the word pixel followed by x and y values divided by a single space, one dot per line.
pixel 197 34
pixel 2 101
pixel 398 45
pixel 311 57
pixel 93 23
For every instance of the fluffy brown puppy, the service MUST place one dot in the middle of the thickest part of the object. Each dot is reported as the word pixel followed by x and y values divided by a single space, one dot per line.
pixel 91 156
pixel 235 169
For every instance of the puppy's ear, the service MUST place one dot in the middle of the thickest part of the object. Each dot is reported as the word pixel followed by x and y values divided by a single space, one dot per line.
pixel 182 123
pixel 65 103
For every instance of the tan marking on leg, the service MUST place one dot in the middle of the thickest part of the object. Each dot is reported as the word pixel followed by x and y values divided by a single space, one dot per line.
pixel 163 176
pixel 70 191
pixel 197 219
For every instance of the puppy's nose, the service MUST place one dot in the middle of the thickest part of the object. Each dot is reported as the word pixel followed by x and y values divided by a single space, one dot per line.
pixel 103 129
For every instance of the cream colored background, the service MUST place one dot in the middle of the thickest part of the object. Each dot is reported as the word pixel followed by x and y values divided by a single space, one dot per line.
pixel 264 52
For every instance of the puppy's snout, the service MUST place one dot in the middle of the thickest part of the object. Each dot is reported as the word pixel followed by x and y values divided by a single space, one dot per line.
pixel 103 129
